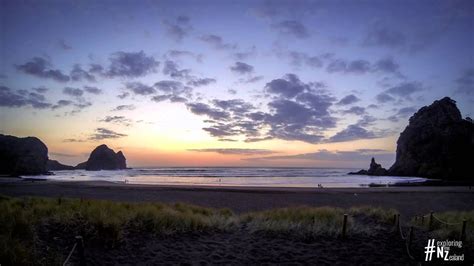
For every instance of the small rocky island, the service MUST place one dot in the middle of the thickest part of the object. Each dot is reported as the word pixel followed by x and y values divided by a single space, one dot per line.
pixel 104 158
pixel 437 143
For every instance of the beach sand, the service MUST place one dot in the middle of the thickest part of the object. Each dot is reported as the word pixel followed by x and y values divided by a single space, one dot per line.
pixel 384 246
pixel 409 201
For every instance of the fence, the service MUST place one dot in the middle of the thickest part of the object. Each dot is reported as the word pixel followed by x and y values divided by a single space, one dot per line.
pixel 421 218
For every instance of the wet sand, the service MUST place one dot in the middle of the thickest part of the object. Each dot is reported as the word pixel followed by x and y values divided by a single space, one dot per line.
pixel 409 201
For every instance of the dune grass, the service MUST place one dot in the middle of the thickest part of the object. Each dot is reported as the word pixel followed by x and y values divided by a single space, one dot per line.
pixel 452 230
pixel 107 223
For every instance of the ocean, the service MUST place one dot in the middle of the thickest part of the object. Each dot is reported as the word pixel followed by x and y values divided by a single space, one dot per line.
pixel 232 176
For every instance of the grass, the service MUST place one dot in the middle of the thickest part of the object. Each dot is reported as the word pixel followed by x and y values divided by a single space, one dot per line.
pixel 453 230
pixel 25 221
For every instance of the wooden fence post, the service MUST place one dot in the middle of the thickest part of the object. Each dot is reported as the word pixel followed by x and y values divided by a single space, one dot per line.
pixel 430 226
pixel 463 230
pixel 80 250
pixel 398 222
pixel 344 226
pixel 410 237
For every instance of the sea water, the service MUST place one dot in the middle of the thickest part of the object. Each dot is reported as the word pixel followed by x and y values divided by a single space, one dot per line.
pixel 232 176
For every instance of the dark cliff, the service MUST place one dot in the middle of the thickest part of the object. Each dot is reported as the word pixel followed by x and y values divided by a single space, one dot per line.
pixel 437 143
pixel 22 156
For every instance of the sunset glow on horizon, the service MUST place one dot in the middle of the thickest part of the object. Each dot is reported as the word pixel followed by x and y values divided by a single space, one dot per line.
pixel 221 83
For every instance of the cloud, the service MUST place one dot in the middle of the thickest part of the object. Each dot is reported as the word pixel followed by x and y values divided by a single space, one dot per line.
pixel 201 82
pixel 63 45
pixel 40 67
pixel 402 113
pixel 362 155
pixel 131 65
pixel 93 90
pixel 73 140
pixel 204 109
pixel 73 91
pixel 235 151
pixel 291 27
pixel 217 42
pixel 387 65
pixel 171 68
pixel 128 107
pixel 298 111
pixel 405 89
pixel 174 91
pixel 140 88
pixel 384 36
pixel 20 98
pixel 178 29
pixel 40 89
pixel 352 132
pixel 104 133
pixel 349 99
pixel 287 87
pixel 117 119
pixel 299 58
pixel 384 98
pixel 183 53
pixel 466 82
pixel 241 68
pixel 251 79
pixel 349 67
pixel 123 95
pixel 79 74
pixel 59 154
pixel 356 110
pixel 62 103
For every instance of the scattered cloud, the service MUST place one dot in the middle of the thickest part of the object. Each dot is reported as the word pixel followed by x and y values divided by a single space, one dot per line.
pixel 117 119
pixel 217 42
pixel 75 92
pixel 79 74
pixel 292 27
pixel 466 82
pixel 40 67
pixel 363 155
pixel 349 99
pixel 241 68
pixel 179 28
pixel 104 133
pixel 140 88
pixel 131 65
pixel 235 151
pixel 128 107
pixel 92 90
pixel 21 98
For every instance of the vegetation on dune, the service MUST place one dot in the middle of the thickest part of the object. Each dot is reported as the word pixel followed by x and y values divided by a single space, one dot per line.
pixel 24 222
pixel 448 224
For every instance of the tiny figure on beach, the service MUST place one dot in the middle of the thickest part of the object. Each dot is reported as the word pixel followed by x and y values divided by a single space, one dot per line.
pixel 126 181
pixel 320 186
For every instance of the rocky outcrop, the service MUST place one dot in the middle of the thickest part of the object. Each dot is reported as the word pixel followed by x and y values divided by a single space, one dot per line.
pixel 437 143
pixel 374 169
pixel 53 165
pixel 104 158
pixel 22 156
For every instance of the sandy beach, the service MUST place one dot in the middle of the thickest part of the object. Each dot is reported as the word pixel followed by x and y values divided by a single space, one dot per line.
pixel 409 201
pixel 241 246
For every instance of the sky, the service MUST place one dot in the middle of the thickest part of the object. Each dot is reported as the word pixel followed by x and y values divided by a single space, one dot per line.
pixel 230 83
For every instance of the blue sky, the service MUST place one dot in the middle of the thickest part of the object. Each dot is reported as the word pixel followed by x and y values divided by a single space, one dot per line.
pixel 253 78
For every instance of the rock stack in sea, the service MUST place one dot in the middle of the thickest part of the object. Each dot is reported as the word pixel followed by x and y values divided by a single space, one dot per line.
pixel 104 158
pixel 437 143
